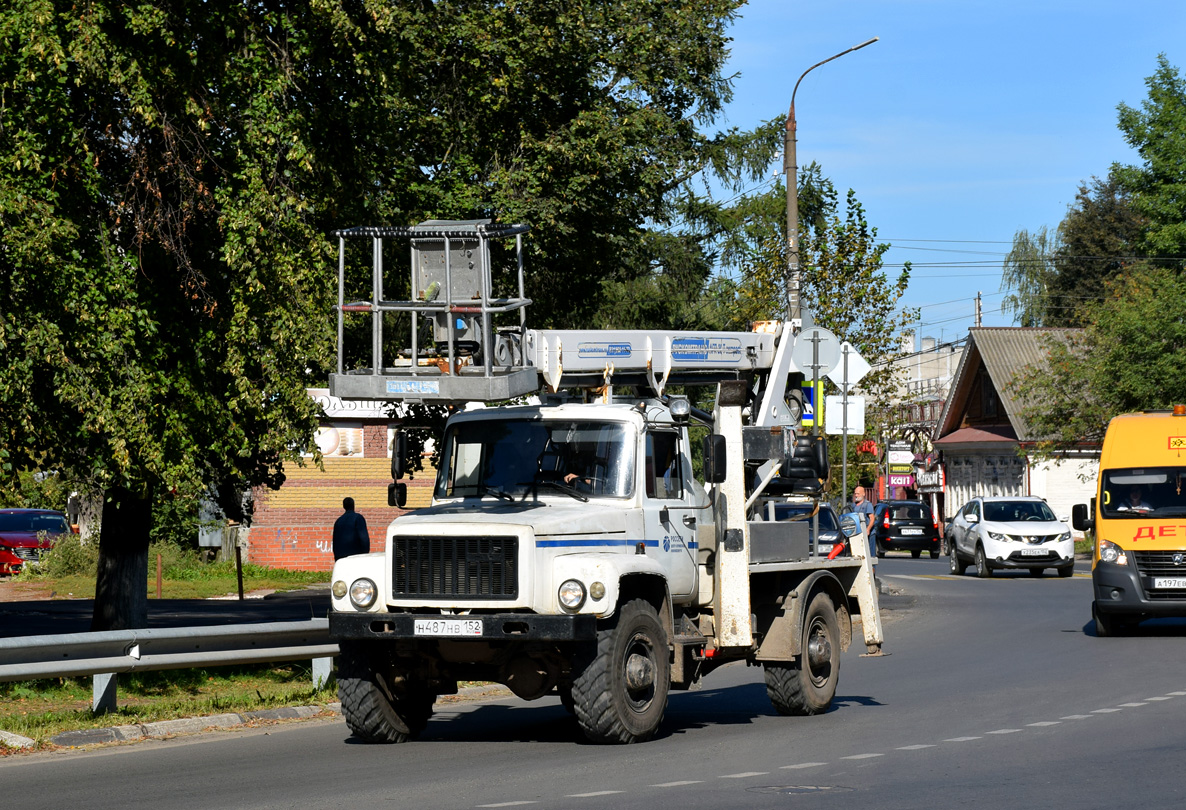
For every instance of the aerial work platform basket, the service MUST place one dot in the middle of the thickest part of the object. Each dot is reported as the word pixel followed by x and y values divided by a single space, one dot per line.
pixel 465 343
pixel 470 357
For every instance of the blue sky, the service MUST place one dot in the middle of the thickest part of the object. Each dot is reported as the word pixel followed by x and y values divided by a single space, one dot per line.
pixel 967 121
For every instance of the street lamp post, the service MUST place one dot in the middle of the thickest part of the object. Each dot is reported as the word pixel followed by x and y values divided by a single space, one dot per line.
pixel 794 310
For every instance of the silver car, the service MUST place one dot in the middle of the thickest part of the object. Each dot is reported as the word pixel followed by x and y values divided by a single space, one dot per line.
pixel 1009 532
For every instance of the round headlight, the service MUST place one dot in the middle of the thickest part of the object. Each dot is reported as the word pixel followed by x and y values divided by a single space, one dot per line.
pixel 339 589
pixel 1112 553
pixel 571 594
pixel 363 593
pixel 597 590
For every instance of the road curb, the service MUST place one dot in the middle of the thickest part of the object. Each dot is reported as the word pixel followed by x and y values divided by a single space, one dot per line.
pixel 193 725
pixel 187 725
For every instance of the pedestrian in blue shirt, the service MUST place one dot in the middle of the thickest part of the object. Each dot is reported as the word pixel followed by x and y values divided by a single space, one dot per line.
pixel 350 532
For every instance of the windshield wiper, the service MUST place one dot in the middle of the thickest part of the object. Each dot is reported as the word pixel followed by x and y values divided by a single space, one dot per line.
pixel 567 490
pixel 497 493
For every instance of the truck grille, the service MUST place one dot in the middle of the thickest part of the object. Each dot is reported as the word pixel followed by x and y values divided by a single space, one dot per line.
pixel 456 567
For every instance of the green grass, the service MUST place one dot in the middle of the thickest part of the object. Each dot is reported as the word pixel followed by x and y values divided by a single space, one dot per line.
pixel 213 583
pixel 44 708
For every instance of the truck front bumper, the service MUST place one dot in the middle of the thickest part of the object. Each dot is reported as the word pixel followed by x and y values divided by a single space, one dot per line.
pixel 495 627
pixel 1121 589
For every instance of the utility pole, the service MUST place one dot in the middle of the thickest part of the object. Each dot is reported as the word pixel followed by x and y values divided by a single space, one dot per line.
pixel 789 160
pixel 978 307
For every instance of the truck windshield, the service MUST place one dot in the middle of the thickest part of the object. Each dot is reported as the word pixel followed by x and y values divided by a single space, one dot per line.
pixel 1144 492
pixel 512 458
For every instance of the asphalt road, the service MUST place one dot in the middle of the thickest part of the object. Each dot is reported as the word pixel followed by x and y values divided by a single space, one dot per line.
pixel 995 693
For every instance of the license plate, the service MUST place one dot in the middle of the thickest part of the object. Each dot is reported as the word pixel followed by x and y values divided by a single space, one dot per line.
pixel 1169 582
pixel 1033 552
pixel 824 549
pixel 911 530
pixel 447 627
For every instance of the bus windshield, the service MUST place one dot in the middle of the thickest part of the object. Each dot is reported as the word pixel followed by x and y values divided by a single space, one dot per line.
pixel 510 458
pixel 1143 492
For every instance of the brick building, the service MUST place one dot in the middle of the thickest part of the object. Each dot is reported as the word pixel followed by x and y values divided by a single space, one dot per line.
pixel 293 526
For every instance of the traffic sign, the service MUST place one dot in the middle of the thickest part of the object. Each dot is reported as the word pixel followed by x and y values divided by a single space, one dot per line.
pixel 834 416
pixel 850 368
pixel 816 351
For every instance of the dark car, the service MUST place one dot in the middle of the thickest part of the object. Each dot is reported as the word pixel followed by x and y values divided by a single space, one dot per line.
pixel 825 521
pixel 25 534
pixel 905 526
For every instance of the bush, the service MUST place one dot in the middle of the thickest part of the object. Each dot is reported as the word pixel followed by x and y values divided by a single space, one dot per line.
pixel 71 555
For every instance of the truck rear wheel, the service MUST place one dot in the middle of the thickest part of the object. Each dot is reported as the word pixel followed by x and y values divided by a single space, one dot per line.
pixel 372 709
pixel 619 693
pixel 808 685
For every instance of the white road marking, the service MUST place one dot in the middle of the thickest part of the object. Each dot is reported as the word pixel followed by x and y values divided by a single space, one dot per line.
pixel 961 739
pixel 593 794
pixel 914 747
pixel 1176 694
pixel 680 784
pixel 1004 731
pixel 1132 705
pixel 1076 717
pixel 506 804
pixel 863 756
pixel 1105 711
pixel 802 765
pixel 1163 697
pixel 1043 723
pixel 744 775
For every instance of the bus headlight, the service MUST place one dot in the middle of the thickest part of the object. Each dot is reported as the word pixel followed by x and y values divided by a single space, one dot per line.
pixel 1112 553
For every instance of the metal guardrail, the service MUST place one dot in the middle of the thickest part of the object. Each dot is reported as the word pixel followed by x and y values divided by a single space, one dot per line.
pixel 104 655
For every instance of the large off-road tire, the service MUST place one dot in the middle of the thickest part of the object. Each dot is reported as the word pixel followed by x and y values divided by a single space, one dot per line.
pixel 808 685
pixel 372 709
pixel 619 686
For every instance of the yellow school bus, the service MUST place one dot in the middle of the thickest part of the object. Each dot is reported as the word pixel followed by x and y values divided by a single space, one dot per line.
pixel 1138 568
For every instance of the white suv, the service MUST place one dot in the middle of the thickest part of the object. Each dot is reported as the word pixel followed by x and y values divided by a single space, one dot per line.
pixel 1017 532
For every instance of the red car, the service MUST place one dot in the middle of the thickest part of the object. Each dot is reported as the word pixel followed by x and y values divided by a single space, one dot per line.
pixel 25 534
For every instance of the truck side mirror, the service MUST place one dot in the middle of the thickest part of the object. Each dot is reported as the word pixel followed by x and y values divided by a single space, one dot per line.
pixel 1080 519
pixel 397 494
pixel 714 458
pixel 399 450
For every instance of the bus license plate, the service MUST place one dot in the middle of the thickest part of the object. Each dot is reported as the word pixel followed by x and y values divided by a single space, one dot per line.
pixel 447 627
pixel 1169 582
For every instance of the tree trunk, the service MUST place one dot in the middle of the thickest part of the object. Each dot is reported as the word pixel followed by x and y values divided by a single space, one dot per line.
pixel 121 588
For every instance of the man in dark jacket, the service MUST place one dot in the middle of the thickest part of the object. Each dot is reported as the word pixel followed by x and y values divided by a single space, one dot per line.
pixel 350 532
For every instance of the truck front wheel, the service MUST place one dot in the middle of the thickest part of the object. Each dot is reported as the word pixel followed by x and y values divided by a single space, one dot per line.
pixel 372 708
pixel 619 692
pixel 808 685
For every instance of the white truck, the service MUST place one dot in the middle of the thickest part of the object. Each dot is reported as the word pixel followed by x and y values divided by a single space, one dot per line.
pixel 570 549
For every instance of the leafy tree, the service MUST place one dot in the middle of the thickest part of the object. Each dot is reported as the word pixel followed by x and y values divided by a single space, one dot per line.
pixel 1029 269
pixel 1127 359
pixel 169 172
pixel 1157 187
pixel 1097 240
pixel 845 286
